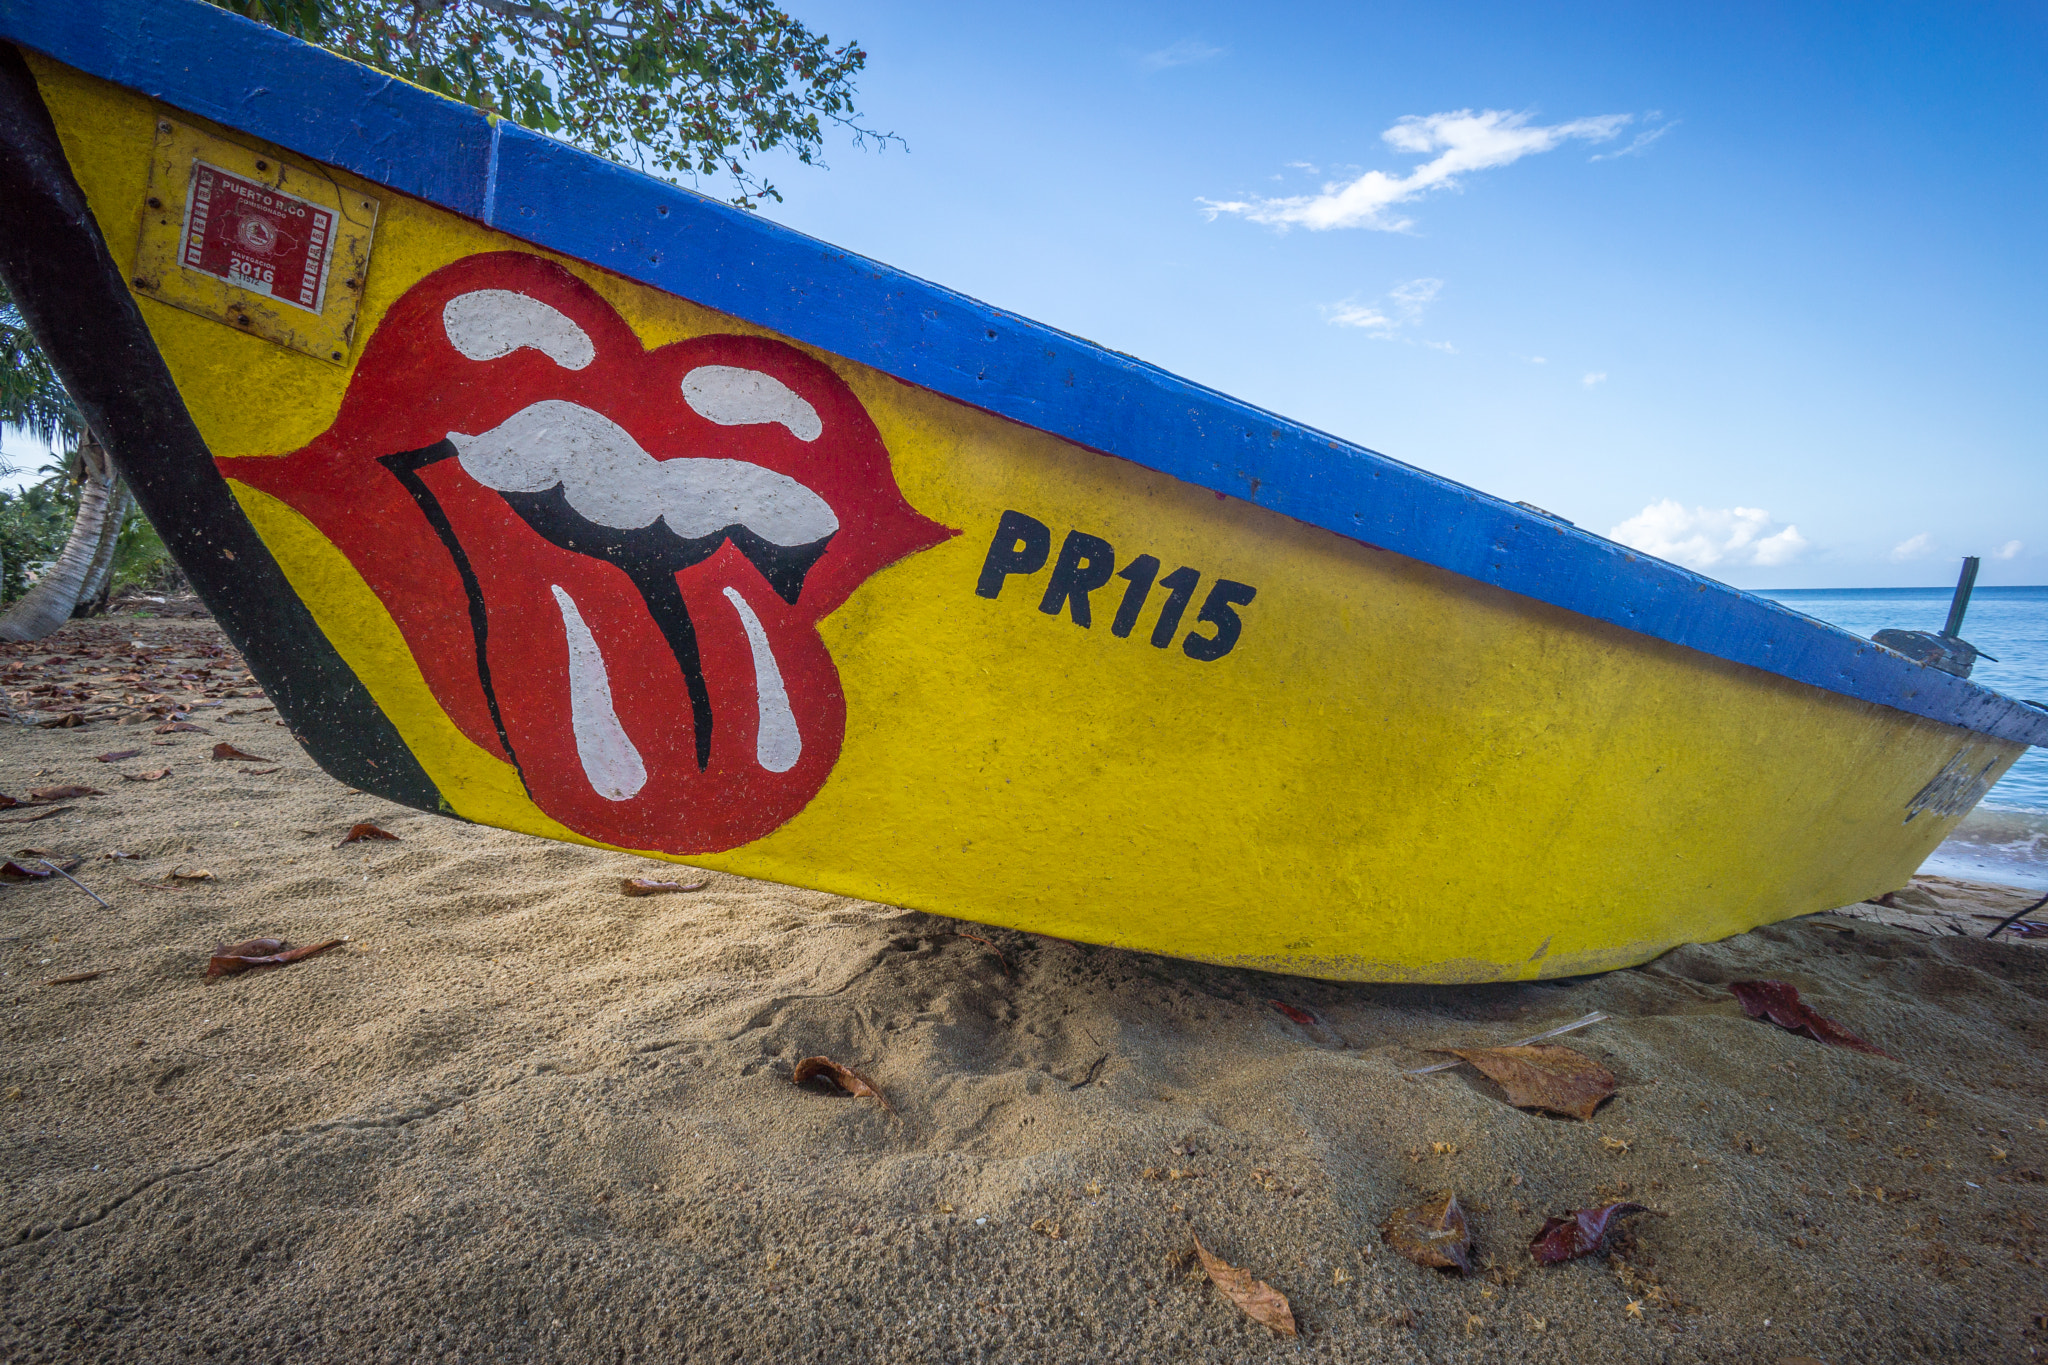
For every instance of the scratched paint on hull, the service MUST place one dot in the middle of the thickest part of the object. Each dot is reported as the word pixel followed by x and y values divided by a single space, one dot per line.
pixel 1511 776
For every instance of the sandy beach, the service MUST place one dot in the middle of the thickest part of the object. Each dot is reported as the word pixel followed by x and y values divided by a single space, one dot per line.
pixel 519 1115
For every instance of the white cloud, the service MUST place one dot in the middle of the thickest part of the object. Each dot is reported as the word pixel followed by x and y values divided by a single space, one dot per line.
pixel 1704 536
pixel 2010 550
pixel 1538 360
pixel 1596 377
pixel 1463 142
pixel 1349 314
pixel 1443 346
pixel 1641 140
pixel 1186 52
pixel 1415 295
pixel 1912 548
pixel 1403 307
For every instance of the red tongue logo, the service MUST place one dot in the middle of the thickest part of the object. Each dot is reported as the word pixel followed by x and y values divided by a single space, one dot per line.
pixel 609 562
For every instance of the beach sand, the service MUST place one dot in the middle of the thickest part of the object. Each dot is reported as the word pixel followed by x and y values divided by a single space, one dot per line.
pixel 520 1116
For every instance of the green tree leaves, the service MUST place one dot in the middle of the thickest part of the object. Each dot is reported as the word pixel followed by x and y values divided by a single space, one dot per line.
pixel 683 88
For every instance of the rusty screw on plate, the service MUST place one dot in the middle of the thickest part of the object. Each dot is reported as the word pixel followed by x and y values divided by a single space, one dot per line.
pixel 263 165
pixel 155 202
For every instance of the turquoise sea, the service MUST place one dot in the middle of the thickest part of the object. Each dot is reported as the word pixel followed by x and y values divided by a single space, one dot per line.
pixel 2006 839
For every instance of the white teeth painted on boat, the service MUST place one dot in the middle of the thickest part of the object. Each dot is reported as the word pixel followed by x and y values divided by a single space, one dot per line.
pixel 611 480
pixel 735 397
pixel 777 745
pixel 489 324
pixel 609 759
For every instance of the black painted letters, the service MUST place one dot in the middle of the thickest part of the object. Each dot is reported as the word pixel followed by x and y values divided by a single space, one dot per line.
pixel 1022 545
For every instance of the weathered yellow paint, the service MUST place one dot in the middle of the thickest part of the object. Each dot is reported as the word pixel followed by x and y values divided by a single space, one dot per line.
pixel 325 335
pixel 1399 774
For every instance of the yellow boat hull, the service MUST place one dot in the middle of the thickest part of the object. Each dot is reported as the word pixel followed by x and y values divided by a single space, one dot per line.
pixel 1392 772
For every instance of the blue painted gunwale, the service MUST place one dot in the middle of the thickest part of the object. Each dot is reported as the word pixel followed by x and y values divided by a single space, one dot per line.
pixel 236 72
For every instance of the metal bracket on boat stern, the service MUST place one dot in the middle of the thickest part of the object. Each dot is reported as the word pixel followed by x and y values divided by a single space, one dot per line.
pixel 1946 650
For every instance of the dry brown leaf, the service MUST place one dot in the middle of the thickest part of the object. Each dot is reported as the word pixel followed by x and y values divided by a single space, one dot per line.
pixel 77 977
pixel 1261 1302
pixel 1779 1002
pixel 843 1078
pixel 224 751
pixel 178 727
pixel 116 756
pixel 1544 1076
pixel 21 872
pixel 69 721
pixel 63 793
pixel 1433 1233
pixel 1579 1233
pixel 365 832
pixel 153 775
pixel 39 815
pixel 641 886
pixel 228 959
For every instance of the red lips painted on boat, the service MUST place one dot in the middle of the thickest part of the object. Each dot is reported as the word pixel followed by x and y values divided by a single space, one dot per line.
pixel 609 562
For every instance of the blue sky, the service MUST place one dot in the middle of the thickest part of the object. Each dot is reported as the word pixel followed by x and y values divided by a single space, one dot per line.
pixel 1783 259
pixel 1760 288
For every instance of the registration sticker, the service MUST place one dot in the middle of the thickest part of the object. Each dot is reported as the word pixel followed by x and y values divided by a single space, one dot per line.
pixel 262 239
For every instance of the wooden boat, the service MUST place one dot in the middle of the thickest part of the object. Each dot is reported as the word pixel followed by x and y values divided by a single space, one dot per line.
pixel 550 496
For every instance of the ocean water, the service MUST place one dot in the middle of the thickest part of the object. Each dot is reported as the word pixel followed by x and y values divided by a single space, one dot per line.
pixel 2006 838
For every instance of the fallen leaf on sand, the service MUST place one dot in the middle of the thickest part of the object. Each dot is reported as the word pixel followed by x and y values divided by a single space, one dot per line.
pixel 365 831
pixel 1299 1016
pixel 39 815
pixel 641 886
pixel 76 977
pixel 116 756
pixel 192 874
pixel 153 775
pixel 8 802
pixel 178 727
pixel 19 872
pixel 69 721
pixel 1433 1233
pixel 1261 1302
pixel 1544 1076
pixel 63 793
pixel 223 752
pixel 1779 1002
pixel 228 959
pixel 1579 1233
pixel 840 1077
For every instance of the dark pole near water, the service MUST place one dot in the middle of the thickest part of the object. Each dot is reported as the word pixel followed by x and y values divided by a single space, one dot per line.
pixel 1961 603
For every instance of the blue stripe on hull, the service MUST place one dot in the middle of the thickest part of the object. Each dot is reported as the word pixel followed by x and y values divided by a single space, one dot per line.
pixel 239 73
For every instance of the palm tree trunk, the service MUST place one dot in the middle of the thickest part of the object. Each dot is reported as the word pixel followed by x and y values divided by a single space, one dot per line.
pixel 49 603
pixel 99 580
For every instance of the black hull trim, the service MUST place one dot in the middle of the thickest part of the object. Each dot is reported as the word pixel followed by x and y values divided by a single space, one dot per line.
pixel 76 301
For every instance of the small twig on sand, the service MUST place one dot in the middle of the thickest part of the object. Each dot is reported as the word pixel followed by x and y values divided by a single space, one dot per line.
pixel 1595 1017
pixel 2011 920
pixel 74 881
pixel 992 948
